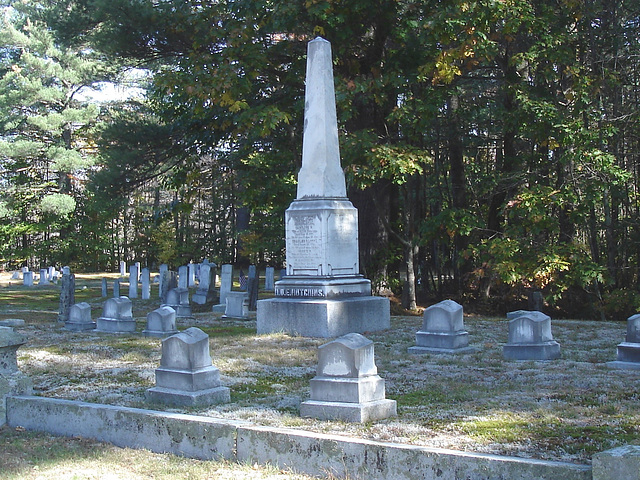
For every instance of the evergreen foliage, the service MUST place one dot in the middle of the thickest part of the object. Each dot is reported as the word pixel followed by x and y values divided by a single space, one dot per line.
pixel 490 147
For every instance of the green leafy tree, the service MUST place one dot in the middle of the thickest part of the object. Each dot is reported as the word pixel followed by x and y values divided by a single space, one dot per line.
pixel 45 146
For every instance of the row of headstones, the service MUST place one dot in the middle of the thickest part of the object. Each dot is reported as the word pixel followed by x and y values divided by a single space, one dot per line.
pixel 443 331
pixel 529 337
pixel 117 317
pixel 206 275
pixel 47 275
pixel 346 386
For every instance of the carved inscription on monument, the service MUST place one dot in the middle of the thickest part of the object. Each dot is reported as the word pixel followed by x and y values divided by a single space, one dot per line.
pixel 342 232
pixel 304 242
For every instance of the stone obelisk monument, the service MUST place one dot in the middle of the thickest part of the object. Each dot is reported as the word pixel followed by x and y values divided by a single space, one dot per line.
pixel 323 293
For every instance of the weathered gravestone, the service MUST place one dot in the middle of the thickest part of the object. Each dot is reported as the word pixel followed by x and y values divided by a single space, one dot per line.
pixel 116 316
pixel 269 279
pixel 628 352
pixel 530 337
pixel 80 318
pixel 183 277
pixel 347 385
pixel 123 268
pixel 323 294
pixel 206 288
pixel 186 376
pixel 12 381
pixel 169 282
pixel 226 277
pixel 145 281
pixel 116 288
pixel 104 287
pixel 252 287
pixel 133 281
pixel 16 275
pixel 67 296
pixel 191 275
pixel 237 305
pixel 442 330
pixel 27 279
pixel 43 277
pixel 161 322
pixel 178 299
pixel 163 268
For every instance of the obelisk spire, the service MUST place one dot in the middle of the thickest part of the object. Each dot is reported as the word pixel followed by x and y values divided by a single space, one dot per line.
pixel 321 175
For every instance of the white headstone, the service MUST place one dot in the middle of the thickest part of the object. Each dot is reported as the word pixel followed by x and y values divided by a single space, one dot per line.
pixel 80 318
pixel 183 277
pixel 123 268
pixel 226 277
pixel 442 330
pixel 145 279
pixel 530 338
pixel 269 279
pixel 191 275
pixel 27 279
pixel 347 385
pixel 161 322
pixel 116 316
pixel 186 376
pixel 163 268
pixel 133 281
pixel 43 277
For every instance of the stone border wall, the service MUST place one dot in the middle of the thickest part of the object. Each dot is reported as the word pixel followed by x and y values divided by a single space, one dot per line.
pixel 301 451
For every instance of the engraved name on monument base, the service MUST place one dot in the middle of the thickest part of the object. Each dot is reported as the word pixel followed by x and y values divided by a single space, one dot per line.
pixel 319 287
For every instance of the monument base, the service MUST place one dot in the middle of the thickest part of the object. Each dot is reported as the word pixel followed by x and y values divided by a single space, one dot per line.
pixel 537 351
pixel 624 365
pixel 182 398
pixel 200 298
pixel 442 340
pixel 349 412
pixel 629 352
pixel 313 317
pixel 417 350
pixel 79 326
pixel 114 325
pixel 159 333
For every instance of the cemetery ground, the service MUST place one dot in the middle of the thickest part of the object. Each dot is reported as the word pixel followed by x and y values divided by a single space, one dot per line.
pixel 565 410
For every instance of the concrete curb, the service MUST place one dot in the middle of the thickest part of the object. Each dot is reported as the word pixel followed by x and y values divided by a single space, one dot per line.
pixel 302 451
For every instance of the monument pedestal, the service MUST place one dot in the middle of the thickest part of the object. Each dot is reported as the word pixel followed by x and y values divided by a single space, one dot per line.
pixel 323 318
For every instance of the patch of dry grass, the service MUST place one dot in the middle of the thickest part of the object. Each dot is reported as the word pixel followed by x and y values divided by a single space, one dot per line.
pixel 560 410
pixel 31 456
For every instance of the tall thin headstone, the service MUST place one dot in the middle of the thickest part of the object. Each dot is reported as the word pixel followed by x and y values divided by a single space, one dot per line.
pixel 163 268
pixel 133 281
pixel 123 268
pixel 67 297
pixel 269 279
pixel 206 290
pixel 183 276
pixel 252 287
pixel 116 288
pixel 323 294
pixel 43 277
pixel 145 280
pixel 226 277
pixel 191 279
pixel 104 287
